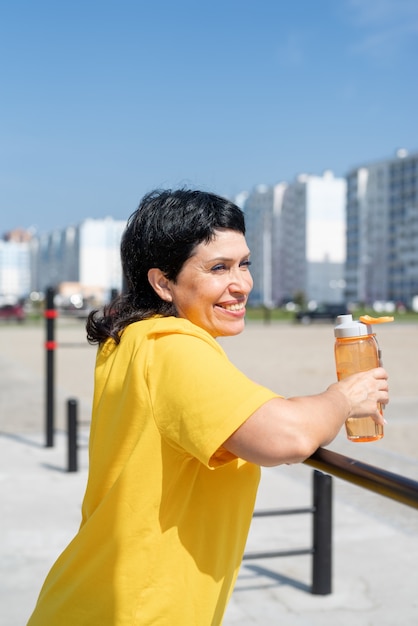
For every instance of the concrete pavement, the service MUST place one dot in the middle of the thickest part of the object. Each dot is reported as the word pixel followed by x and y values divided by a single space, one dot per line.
pixel 375 540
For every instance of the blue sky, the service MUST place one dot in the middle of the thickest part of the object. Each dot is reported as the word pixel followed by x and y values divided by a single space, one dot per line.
pixel 101 102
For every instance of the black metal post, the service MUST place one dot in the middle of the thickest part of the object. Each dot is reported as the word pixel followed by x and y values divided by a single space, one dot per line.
pixel 50 345
pixel 113 294
pixel 322 534
pixel 72 434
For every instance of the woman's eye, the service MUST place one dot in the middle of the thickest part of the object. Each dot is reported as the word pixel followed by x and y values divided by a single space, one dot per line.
pixel 217 268
pixel 245 263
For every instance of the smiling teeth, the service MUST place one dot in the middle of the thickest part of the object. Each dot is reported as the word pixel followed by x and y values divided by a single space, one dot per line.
pixel 234 307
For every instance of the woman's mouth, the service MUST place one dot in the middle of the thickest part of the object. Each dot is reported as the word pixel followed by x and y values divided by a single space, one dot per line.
pixel 236 306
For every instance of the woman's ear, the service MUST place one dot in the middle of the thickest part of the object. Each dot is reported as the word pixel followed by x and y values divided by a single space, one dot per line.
pixel 160 283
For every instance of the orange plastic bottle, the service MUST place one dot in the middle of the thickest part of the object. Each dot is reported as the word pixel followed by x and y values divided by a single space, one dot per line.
pixel 357 350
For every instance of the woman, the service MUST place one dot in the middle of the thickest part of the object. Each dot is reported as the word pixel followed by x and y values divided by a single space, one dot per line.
pixel 178 433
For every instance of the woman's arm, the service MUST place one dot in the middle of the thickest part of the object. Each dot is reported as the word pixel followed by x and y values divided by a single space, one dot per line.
pixel 290 430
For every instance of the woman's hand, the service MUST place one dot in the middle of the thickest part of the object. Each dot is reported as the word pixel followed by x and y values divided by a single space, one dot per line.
pixel 366 393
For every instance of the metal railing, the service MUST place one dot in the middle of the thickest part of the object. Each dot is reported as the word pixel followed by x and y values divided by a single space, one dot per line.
pixel 321 548
pixel 393 486
pixel 398 488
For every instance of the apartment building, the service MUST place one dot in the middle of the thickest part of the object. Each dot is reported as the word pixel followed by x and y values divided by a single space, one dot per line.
pixel 319 207
pixel 14 266
pixel 296 234
pixel 262 208
pixel 83 259
pixel 382 231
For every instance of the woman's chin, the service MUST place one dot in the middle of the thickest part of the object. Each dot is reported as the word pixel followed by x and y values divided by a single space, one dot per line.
pixel 231 329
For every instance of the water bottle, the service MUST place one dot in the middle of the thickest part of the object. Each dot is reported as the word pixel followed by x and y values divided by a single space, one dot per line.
pixel 357 350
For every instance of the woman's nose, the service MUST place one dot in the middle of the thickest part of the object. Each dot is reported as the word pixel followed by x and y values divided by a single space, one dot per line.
pixel 241 281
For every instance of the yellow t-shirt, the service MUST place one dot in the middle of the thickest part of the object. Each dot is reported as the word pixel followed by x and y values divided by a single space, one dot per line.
pixel 167 510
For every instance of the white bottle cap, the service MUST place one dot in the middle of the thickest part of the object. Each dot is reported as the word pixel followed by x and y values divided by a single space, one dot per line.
pixel 347 327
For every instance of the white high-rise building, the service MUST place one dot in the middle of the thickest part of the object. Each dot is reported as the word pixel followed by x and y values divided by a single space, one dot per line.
pixel 14 270
pixel 314 238
pixel 15 266
pixel 85 258
pixel 99 253
pixel 382 231
pixel 296 234
pixel 262 207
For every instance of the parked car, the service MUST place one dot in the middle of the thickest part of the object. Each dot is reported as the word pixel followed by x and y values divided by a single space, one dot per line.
pixel 13 312
pixel 323 312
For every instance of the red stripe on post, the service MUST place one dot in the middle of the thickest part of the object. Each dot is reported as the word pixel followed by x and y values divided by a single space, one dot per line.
pixel 50 345
pixel 50 313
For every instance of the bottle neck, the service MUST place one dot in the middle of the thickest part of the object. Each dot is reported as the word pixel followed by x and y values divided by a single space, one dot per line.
pixel 356 338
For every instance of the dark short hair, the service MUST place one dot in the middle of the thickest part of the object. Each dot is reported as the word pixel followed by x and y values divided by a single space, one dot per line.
pixel 162 233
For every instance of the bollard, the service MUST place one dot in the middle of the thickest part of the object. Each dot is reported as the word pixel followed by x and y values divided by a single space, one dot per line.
pixel 322 534
pixel 50 345
pixel 72 434
pixel 113 294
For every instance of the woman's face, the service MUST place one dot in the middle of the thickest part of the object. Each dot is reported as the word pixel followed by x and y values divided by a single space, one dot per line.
pixel 213 285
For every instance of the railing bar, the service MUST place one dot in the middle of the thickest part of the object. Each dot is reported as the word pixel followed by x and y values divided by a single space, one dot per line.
pixel 269 555
pixel 268 512
pixel 399 488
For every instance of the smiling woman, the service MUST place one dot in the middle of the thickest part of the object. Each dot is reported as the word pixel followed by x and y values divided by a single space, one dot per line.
pixel 178 432
pixel 212 287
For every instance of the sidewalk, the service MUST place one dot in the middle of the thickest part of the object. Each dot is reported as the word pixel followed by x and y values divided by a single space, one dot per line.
pixel 375 540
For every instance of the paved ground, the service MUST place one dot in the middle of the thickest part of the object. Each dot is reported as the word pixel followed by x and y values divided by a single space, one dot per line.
pixel 375 540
